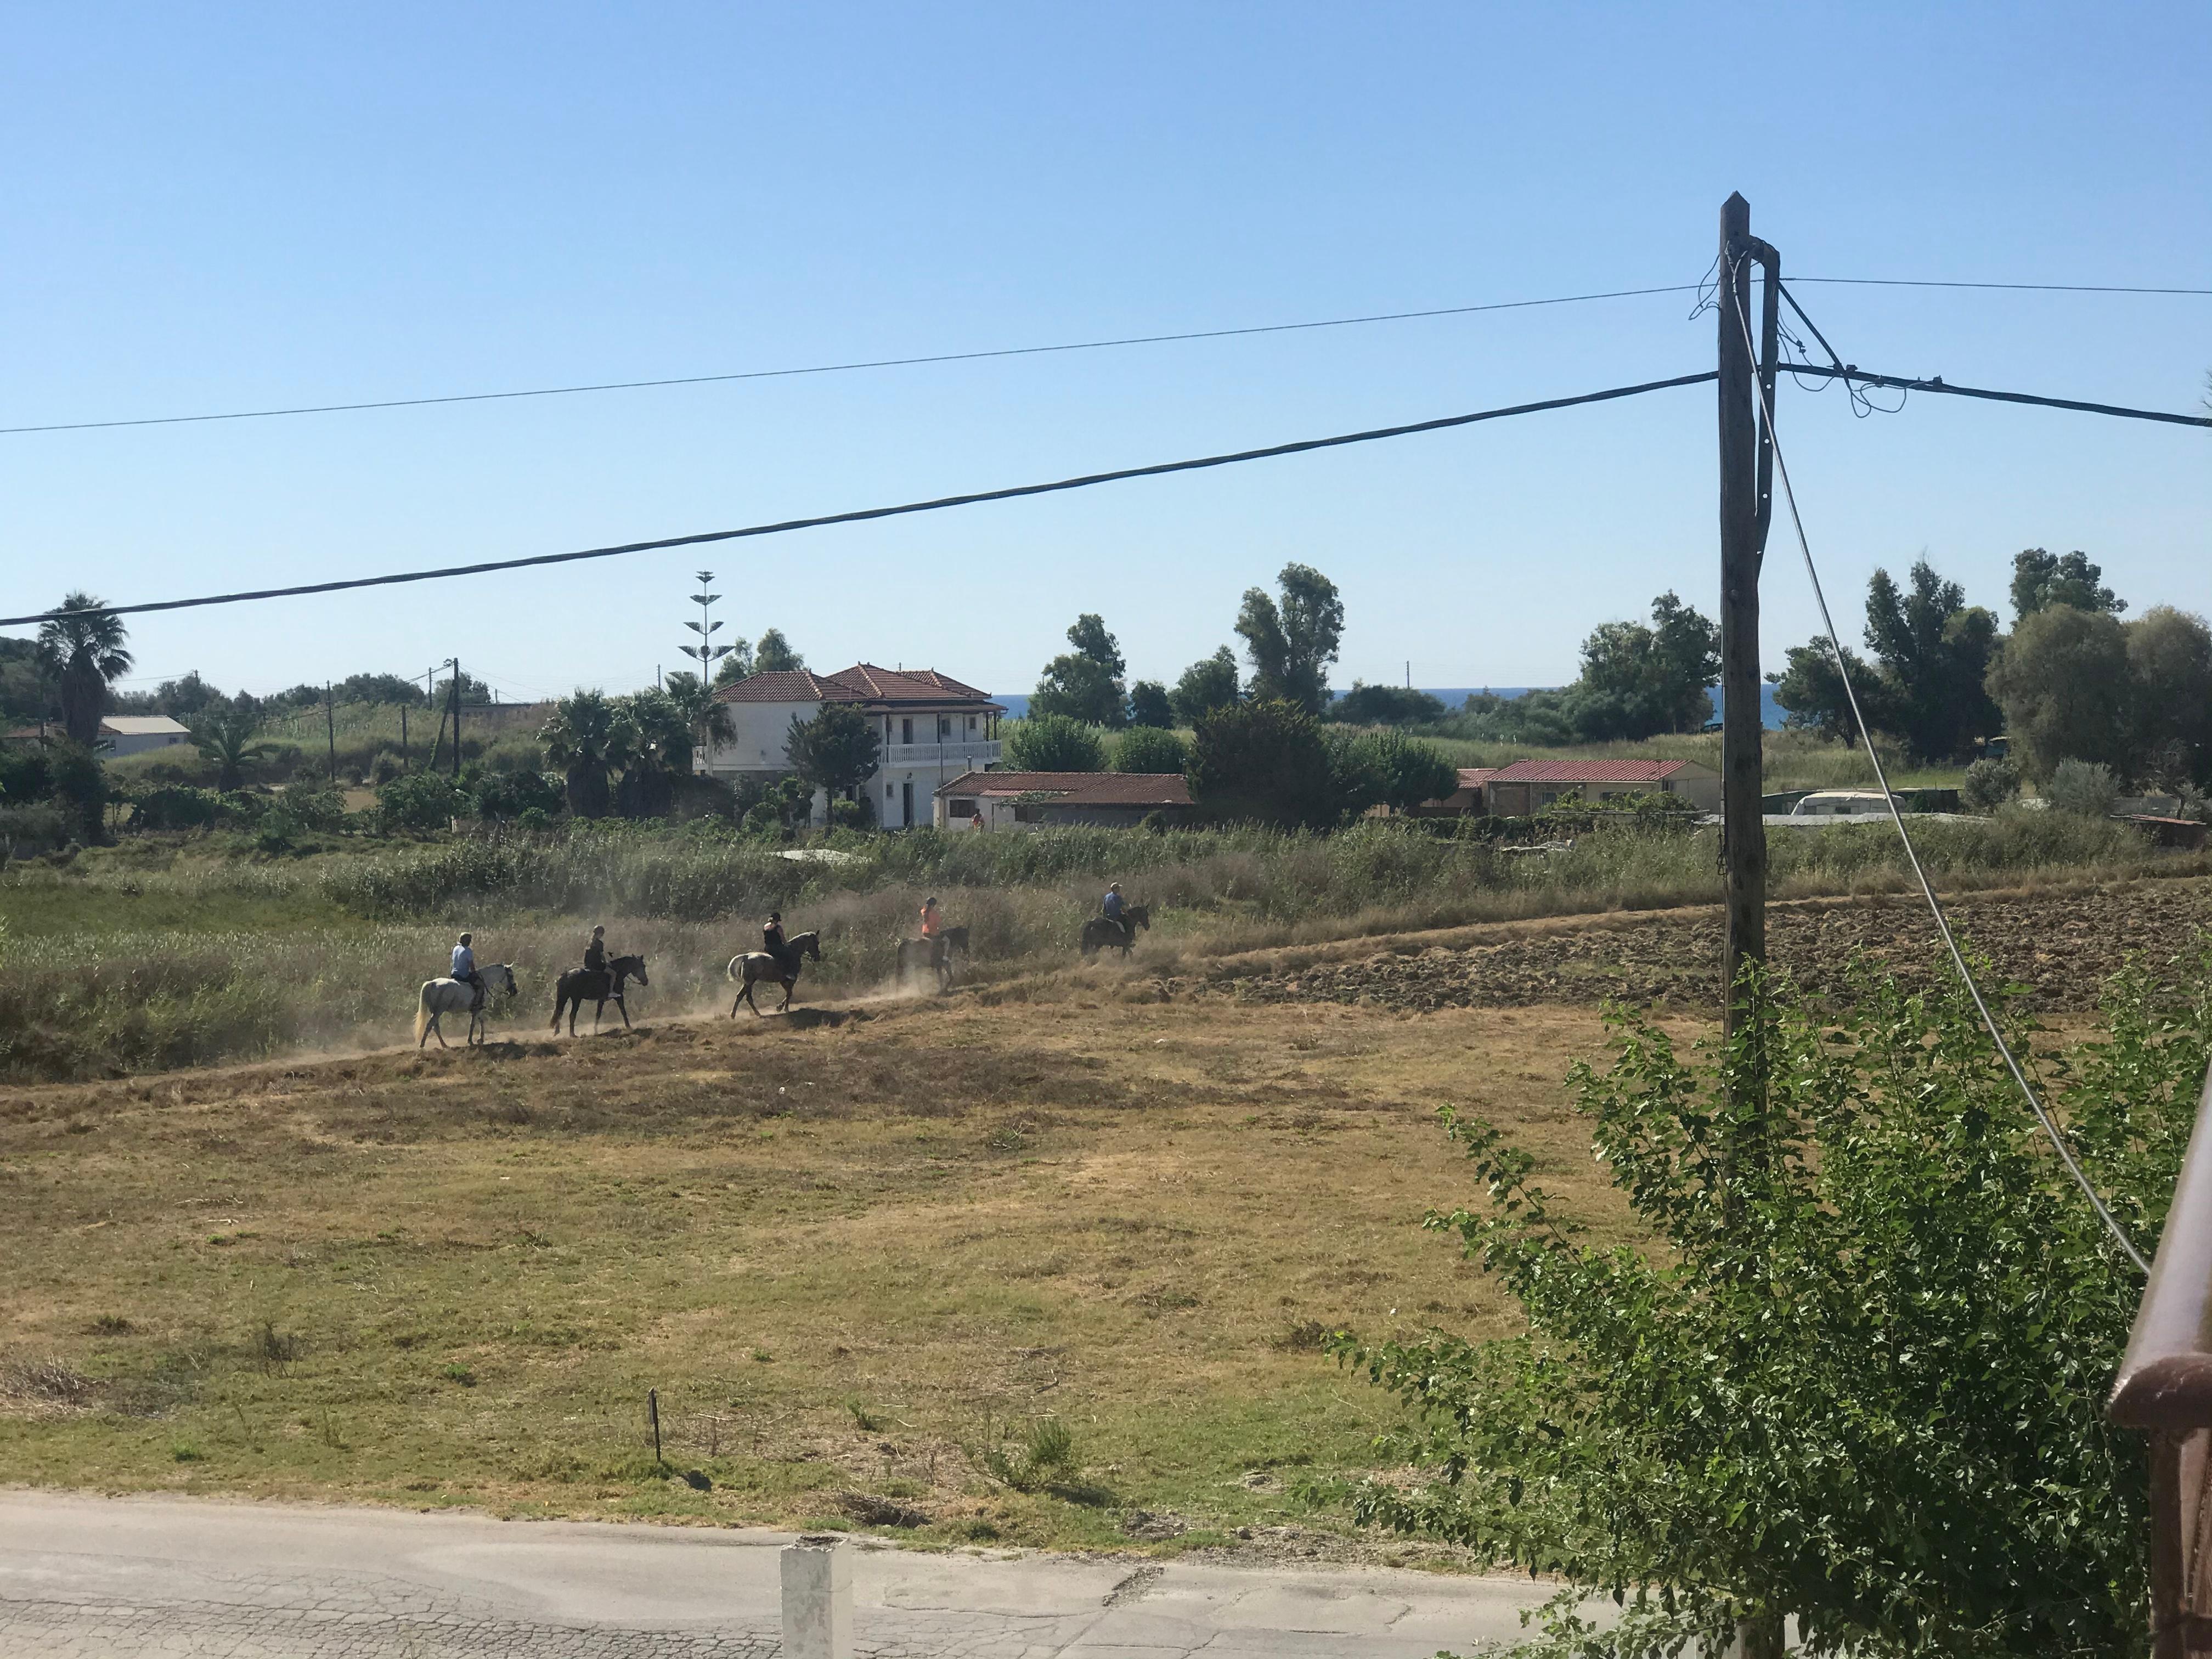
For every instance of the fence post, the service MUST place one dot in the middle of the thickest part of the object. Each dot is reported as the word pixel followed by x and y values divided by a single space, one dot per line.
pixel 818 1598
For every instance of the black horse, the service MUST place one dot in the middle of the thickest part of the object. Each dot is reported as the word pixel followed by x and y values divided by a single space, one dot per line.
pixel 1100 934
pixel 748 968
pixel 600 985
pixel 935 953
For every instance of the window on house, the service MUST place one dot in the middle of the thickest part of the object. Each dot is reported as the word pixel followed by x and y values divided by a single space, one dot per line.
pixel 961 808
pixel 971 722
pixel 943 727
pixel 906 731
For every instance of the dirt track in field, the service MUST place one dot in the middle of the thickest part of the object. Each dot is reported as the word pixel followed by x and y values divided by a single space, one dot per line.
pixel 2061 945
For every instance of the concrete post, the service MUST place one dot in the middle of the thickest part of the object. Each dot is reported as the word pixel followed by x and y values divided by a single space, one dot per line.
pixel 817 1599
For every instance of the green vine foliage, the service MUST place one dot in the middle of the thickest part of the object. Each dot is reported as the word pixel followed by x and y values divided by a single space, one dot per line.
pixel 1855 1377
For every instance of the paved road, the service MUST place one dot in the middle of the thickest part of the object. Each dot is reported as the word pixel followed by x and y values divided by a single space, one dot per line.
pixel 84 1576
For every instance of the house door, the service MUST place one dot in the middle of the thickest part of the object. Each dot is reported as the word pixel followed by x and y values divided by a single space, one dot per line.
pixel 906 803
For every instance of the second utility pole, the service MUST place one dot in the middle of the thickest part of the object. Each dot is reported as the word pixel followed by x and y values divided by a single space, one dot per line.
pixel 1747 464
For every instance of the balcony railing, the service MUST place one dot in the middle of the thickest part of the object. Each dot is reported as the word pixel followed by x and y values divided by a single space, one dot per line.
pixel 2164 1387
pixel 974 755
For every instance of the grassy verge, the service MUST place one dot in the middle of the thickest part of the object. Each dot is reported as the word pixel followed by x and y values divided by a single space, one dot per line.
pixel 856 1259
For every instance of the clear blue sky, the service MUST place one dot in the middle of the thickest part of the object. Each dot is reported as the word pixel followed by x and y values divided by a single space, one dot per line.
pixel 214 208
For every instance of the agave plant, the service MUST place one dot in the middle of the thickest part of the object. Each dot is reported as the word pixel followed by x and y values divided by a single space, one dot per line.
pixel 84 650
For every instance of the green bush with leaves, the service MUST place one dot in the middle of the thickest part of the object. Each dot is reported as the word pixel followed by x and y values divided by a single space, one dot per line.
pixel 2085 788
pixel 1149 748
pixel 418 801
pixel 1054 743
pixel 1858 1375
pixel 1990 784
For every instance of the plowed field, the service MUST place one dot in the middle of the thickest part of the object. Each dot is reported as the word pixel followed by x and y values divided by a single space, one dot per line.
pixel 2061 945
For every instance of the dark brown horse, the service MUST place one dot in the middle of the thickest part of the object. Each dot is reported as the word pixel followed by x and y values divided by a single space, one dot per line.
pixel 935 953
pixel 600 985
pixel 1100 934
pixel 754 966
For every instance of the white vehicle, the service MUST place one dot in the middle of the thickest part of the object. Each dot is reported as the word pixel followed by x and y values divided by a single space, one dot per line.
pixel 1840 802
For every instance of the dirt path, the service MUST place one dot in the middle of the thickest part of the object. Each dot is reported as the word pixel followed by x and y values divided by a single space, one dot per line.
pixel 2061 945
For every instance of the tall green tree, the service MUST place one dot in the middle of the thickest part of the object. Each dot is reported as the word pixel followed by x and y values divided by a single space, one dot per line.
pixel 1934 650
pixel 836 751
pixel 773 654
pixel 85 654
pixel 1637 681
pixel 1291 643
pixel 1149 705
pixel 1264 761
pixel 1085 683
pixel 2063 682
pixel 1208 684
pixel 586 738
pixel 737 665
pixel 1386 769
pixel 227 732
pixel 2170 686
pixel 709 721
pixel 1811 693
pixel 1386 705
pixel 2041 580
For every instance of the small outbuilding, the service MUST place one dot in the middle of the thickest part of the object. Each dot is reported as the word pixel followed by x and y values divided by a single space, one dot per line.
pixel 1467 800
pixel 1526 787
pixel 1031 800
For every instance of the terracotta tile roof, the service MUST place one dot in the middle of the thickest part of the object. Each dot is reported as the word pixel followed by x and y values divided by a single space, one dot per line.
pixel 1078 788
pixel 1474 777
pixel 1588 771
pixel 863 683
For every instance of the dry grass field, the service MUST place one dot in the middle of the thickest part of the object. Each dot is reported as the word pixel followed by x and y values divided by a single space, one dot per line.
pixel 863 1254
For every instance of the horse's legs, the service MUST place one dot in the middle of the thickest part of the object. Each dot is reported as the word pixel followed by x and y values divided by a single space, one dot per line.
pixel 624 1004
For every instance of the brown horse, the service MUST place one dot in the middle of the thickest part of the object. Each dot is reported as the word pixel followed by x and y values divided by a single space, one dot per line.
pixel 1100 934
pixel 753 966
pixel 934 953
pixel 603 985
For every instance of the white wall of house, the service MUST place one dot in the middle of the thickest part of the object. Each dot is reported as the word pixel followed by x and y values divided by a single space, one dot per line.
pixel 920 750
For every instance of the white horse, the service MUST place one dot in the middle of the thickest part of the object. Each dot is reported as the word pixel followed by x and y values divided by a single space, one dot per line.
pixel 440 996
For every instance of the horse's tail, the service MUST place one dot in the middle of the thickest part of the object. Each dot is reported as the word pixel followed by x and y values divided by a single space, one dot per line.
pixel 422 1012
pixel 731 972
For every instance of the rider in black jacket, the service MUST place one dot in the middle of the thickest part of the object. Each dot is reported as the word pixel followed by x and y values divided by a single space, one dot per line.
pixel 595 953
pixel 771 940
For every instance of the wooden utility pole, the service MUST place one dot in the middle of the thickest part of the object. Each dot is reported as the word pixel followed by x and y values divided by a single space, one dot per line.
pixel 1743 832
pixel 331 728
pixel 404 765
pixel 457 718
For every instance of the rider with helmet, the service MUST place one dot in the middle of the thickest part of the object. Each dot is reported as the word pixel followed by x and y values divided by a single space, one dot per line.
pixel 932 920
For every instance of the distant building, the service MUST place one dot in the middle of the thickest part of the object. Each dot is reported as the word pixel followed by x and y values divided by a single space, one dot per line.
pixel 1469 799
pixel 931 728
pixel 120 734
pixel 1526 787
pixel 1026 801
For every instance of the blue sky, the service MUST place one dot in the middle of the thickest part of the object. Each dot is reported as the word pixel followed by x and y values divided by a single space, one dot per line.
pixel 230 207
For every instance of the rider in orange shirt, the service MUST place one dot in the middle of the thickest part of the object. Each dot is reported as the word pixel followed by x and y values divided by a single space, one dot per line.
pixel 932 922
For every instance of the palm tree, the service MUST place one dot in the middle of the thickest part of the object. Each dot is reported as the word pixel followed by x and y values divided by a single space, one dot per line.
pixel 84 650
pixel 709 721
pixel 227 733
pixel 586 738
pixel 658 734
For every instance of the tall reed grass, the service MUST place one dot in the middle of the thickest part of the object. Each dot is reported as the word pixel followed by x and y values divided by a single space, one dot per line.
pixel 122 999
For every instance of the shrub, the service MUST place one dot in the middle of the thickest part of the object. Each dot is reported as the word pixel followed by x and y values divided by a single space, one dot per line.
pixel 1990 784
pixel 1149 748
pixel 419 801
pixel 1387 769
pixel 505 795
pixel 1858 1378
pixel 1262 762
pixel 176 808
pixel 2082 786
pixel 1054 743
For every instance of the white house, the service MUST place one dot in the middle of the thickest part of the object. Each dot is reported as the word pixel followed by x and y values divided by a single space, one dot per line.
pixel 931 728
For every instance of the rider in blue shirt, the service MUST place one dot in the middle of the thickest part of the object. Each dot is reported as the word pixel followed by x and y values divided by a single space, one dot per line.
pixel 465 964
pixel 1112 907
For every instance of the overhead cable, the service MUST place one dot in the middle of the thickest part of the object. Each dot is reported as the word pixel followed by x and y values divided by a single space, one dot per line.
pixel 1859 377
pixel 862 514
pixel 2012 288
pixel 1927 889
pixel 840 368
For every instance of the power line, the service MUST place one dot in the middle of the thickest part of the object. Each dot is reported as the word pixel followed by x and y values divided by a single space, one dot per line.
pixel 840 368
pixel 1861 377
pixel 1912 857
pixel 2011 288
pixel 863 514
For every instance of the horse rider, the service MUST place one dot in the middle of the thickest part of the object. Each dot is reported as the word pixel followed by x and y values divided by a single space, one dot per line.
pixel 595 953
pixel 932 920
pixel 464 968
pixel 772 941
pixel 1112 907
